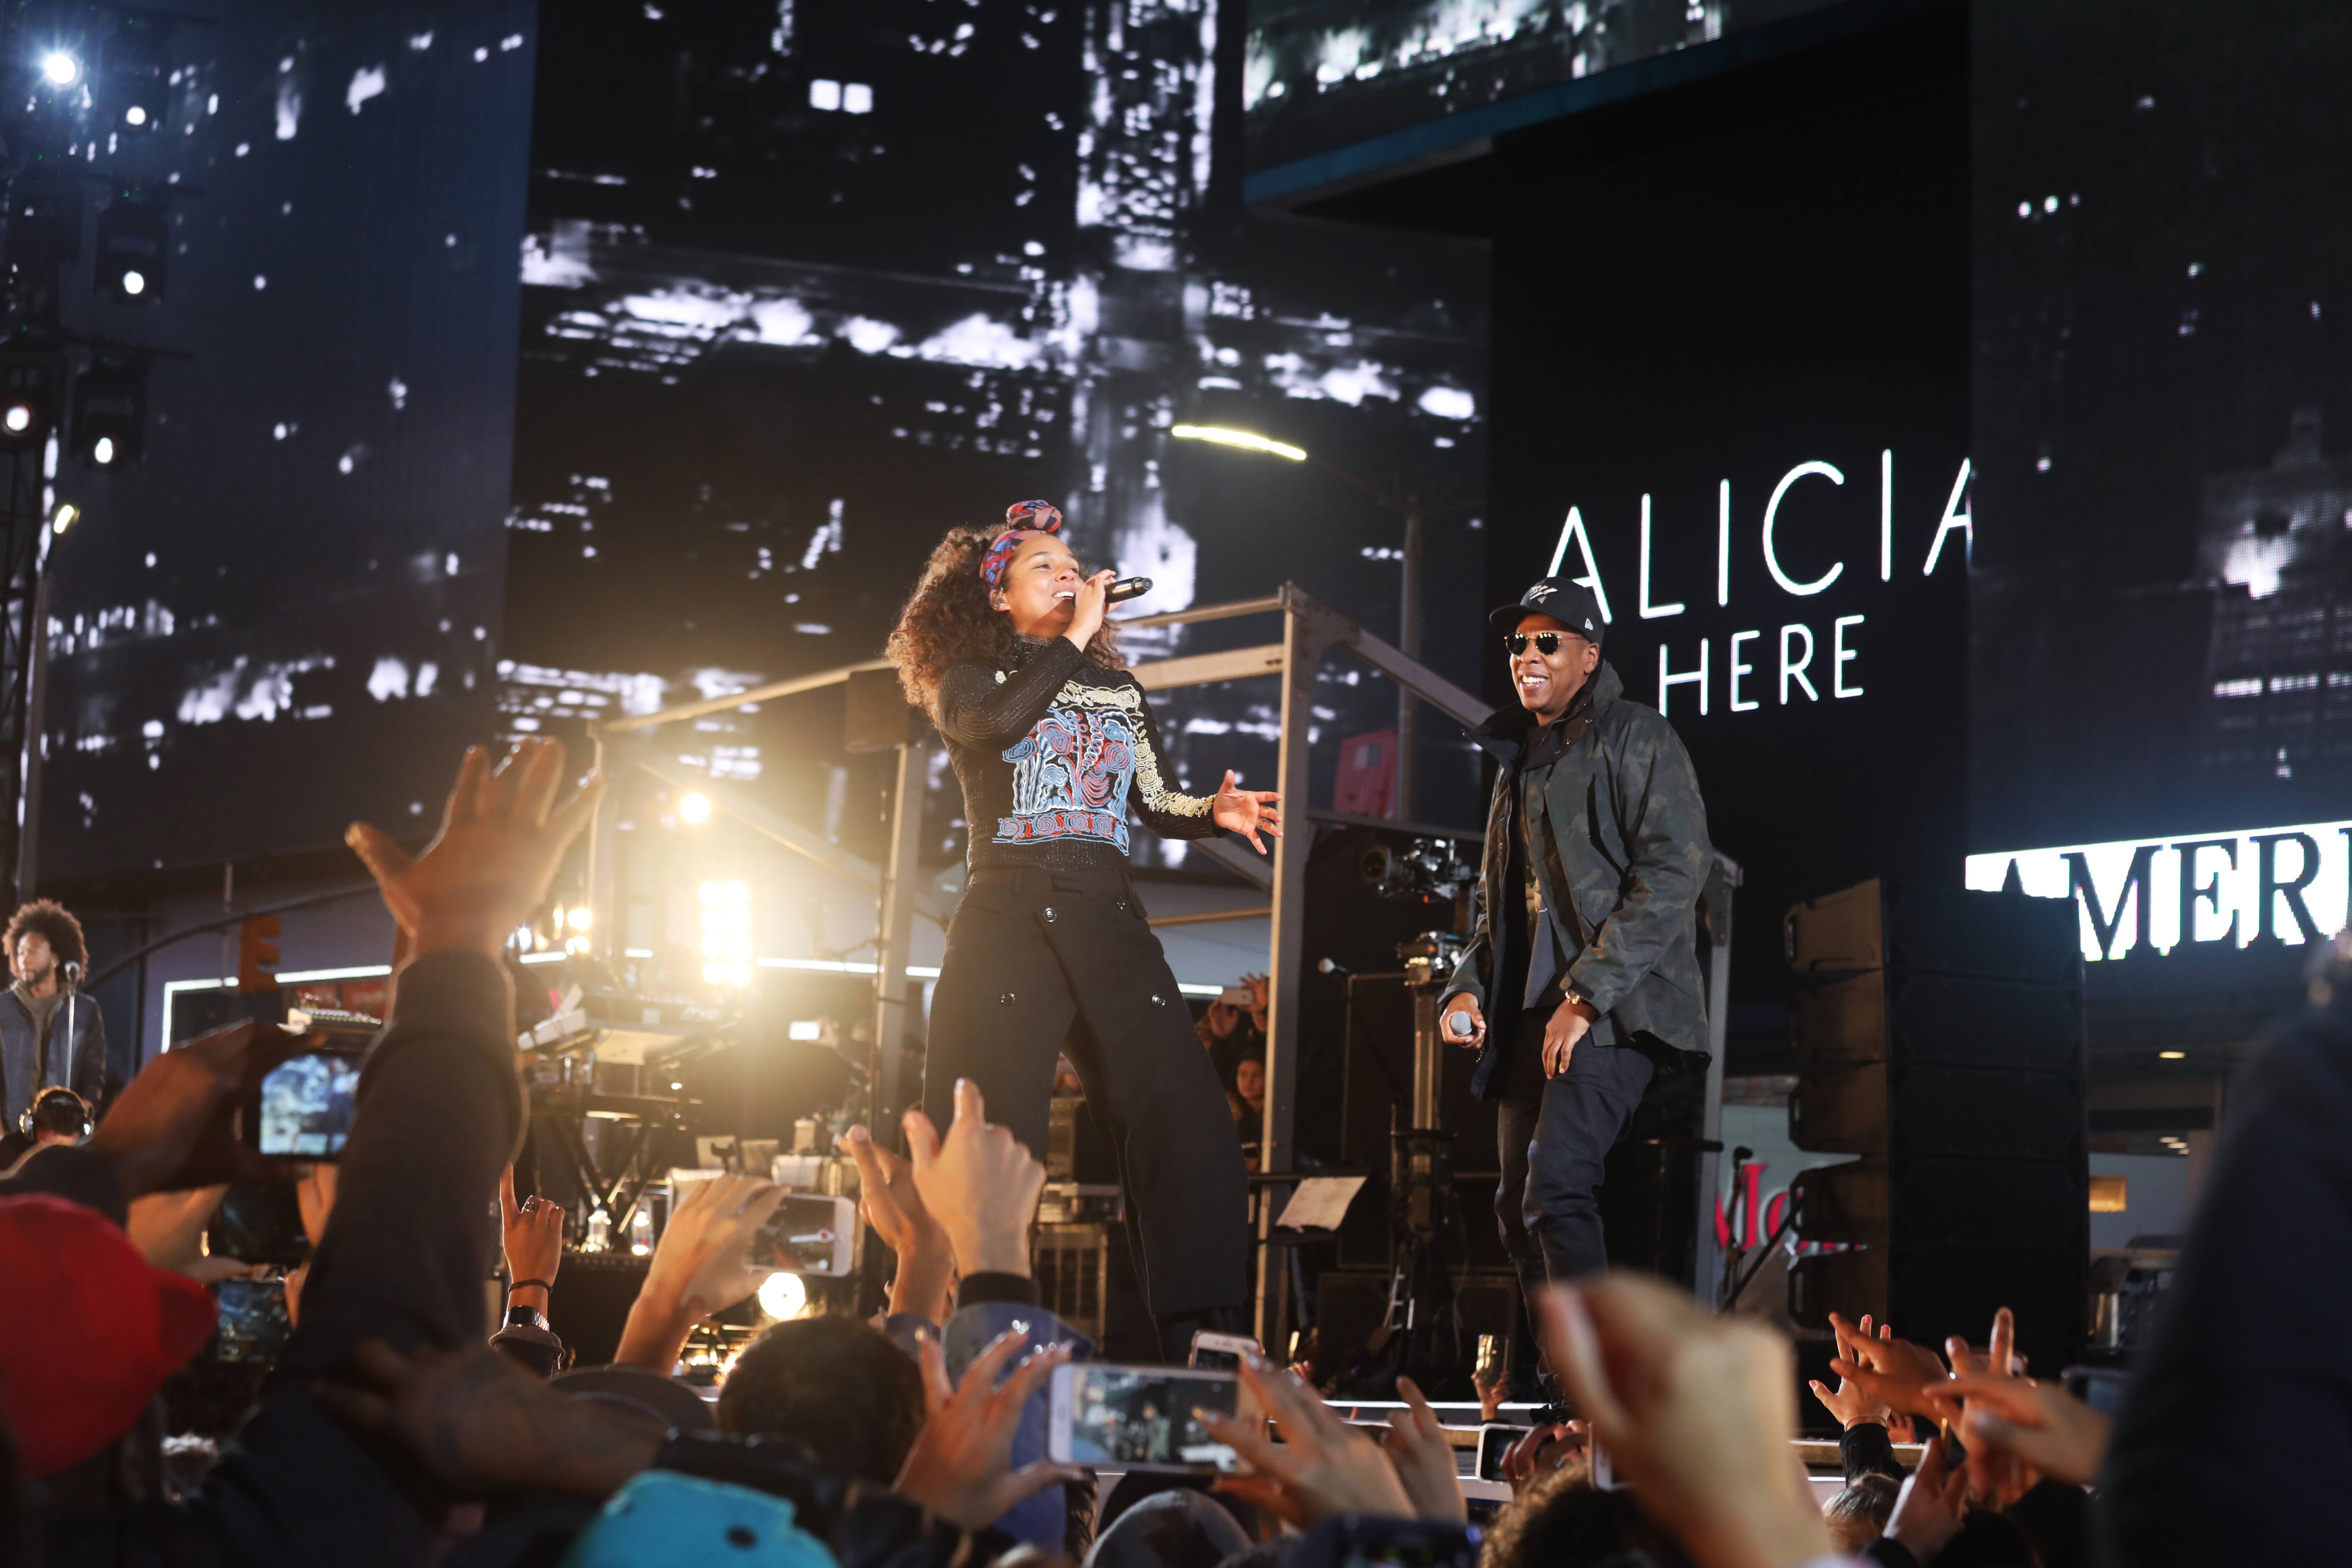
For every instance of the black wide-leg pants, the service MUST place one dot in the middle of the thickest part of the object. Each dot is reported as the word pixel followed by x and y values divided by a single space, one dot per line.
pixel 1044 963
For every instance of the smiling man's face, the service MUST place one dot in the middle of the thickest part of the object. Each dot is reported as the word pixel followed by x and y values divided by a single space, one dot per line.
pixel 1548 682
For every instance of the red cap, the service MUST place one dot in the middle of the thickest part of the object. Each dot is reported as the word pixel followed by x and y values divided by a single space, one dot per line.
pixel 89 1329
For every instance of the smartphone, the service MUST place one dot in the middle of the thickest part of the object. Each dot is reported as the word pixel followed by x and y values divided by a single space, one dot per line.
pixel 1495 1440
pixel 1240 996
pixel 1138 1417
pixel 253 1323
pixel 1369 1541
pixel 1222 1352
pixel 808 1234
pixel 303 1108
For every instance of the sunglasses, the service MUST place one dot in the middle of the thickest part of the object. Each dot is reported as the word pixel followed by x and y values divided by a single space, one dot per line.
pixel 1547 642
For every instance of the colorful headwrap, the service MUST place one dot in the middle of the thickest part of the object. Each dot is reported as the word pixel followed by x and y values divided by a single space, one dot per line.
pixel 1028 518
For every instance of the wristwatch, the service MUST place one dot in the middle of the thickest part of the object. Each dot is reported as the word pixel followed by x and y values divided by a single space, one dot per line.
pixel 1580 999
pixel 527 1318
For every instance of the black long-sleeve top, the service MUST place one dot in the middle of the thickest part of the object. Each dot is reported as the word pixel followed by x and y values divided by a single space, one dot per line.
pixel 1052 752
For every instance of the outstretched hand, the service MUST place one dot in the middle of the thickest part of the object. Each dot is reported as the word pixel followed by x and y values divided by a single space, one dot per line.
pixel 702 1264
pixel 894 1207
pixel 961 1466
pixel 981 1182
pixel 2038 1424
pixel 1423 1456
pixel 169 1128
pixel 502 835
pixel 1851 1403
pixel 1321 1466
pixel 1247 812
pixel 1898 1374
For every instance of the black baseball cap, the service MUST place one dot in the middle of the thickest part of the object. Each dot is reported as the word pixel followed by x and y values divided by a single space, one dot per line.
pixel 1565 600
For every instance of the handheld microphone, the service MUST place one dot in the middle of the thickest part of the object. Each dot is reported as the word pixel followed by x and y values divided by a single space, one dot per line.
pixel 1459 1025
pixel 1128 588
pixel 72 973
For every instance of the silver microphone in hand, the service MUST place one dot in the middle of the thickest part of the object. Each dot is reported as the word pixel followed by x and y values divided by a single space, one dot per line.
pixel 1458 1024
pixel 1127 588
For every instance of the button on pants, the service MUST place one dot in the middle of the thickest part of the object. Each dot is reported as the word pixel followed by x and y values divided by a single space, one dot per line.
pixel 1043 964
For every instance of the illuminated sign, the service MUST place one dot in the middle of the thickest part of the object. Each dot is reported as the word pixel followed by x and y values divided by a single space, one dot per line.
pixel 2223 890
pixel 1812 659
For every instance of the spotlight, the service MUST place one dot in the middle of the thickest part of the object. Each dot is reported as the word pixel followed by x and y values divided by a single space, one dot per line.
pixel 580 919
pixel 783 1296
pixel 31 376
pixel 64 516
pixel 694 808
pixel 134 244
pixel 134 66
pixel 726 933
pixel 59 69
pixel 110 409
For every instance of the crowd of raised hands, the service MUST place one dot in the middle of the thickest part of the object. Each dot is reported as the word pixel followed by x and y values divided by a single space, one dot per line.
pixel 394 1432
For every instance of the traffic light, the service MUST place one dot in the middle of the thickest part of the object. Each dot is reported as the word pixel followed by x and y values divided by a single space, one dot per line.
pixel 257 956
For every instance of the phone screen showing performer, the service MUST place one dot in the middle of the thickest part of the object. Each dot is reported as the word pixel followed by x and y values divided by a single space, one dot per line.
pixel 808 1234
pixel 303 1109
pixel 253 1326
pixel 1138 1417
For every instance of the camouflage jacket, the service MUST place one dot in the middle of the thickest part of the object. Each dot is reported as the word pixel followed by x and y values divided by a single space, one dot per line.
pixel 1630 836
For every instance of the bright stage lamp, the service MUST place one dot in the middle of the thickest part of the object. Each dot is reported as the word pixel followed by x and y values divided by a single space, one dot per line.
pixel 59 69
pixel 134 115
pixel 783 1296
pixel 102 451
pixel 18 418
pixel 1246 439
pixel 64 516
pixel 694 808
pixel 580 919
pixel 134 281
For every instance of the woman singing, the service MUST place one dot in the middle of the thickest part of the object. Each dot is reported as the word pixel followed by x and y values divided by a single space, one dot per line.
pixel 1003 645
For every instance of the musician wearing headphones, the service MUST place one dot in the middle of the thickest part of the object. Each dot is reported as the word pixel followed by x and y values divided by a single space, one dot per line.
pixel 50 1034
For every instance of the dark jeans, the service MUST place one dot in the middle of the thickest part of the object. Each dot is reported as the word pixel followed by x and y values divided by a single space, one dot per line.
pixel 1041 963
pixel 1553 1135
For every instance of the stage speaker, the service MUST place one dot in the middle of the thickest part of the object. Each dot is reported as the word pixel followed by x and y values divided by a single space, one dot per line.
pixel 1350 1306
pixel 590 1301
pixel 1940 1037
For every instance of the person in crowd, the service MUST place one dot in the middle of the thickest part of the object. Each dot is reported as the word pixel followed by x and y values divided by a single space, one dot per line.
pixel 1236 1018
pixel 1857 1516
pixel 58 1116
pixel 1003 645
pixel 50 1033
pixel 839 1385
pixel 702 1264
pixel 1580 979
pixel 530 1239
pixel 1562 1518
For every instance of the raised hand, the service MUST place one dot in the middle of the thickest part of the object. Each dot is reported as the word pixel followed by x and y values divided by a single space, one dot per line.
pixel 960 1467
pixel 1544 1450
pixel 1849 1405
pixel 1695 1412
pixel 892 1205
pixel 1896 1372
pixel 533 1240
pixel 1322 1466
pixel 1932 1505
pixel 502 835
pixel 2038 1424
pixel 1247 812
pixel 981 1182
pixel 166 1226
pixel 1424 1458
pixel 701 1265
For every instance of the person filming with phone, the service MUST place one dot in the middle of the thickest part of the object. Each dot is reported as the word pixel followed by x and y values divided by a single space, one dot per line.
pixel 51 1035
pixel 1580 979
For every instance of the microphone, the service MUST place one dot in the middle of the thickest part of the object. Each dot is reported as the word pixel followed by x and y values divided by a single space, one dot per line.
pixel 72 973
pixel 1333 967
pixel 1128 588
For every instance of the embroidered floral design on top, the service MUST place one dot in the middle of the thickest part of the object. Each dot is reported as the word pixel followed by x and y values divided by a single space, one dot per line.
pixel 1069 779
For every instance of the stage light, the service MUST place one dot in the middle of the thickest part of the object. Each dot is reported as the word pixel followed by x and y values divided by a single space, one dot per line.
pixel 133 239
pixel 64 516
pixel 726 933
pixel 132 75
pixel 783 1296
pixel 1246 439
pixel 110 409
pixel 2172 1056
pixel 31 376
pixel 694 808
pixel 806 1029
pixel 580 919
pixel 59 69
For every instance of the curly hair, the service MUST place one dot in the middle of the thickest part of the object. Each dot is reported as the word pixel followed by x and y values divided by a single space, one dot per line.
pixel 1563 1517
pixel 51 919
pixel 947 619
